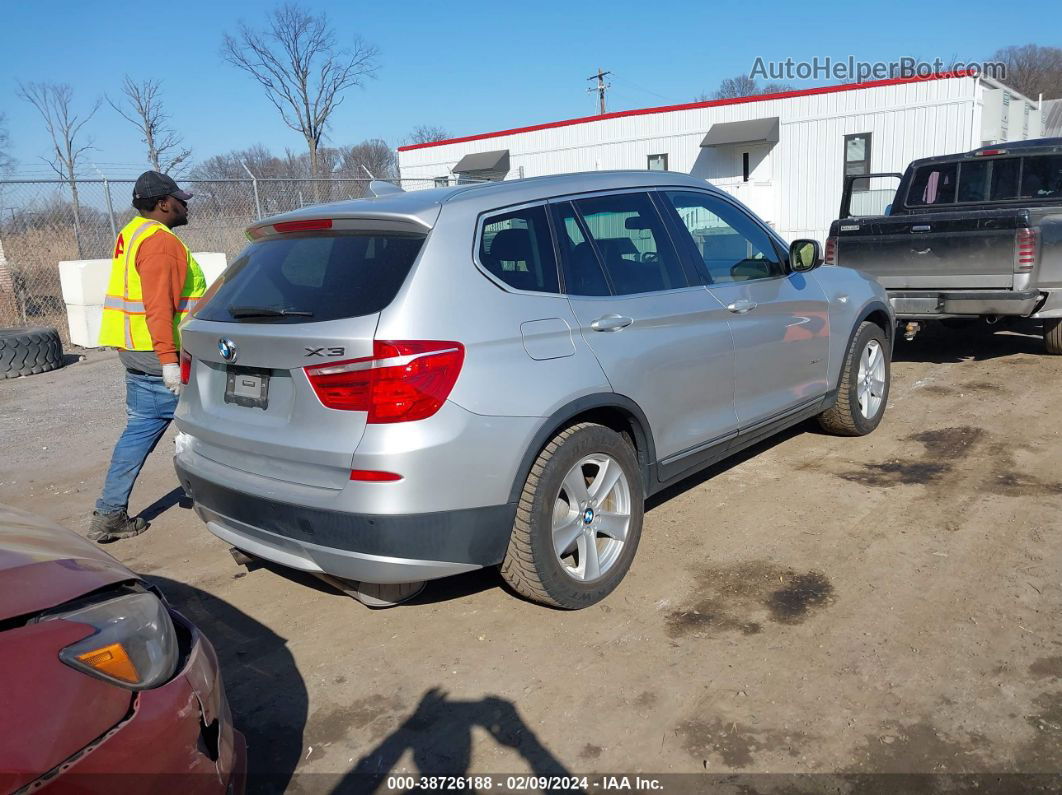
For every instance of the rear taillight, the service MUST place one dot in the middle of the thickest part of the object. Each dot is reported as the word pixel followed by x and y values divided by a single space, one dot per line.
pixel 1026 246
pixel 186 367
pixel 402 381
pixel 829 256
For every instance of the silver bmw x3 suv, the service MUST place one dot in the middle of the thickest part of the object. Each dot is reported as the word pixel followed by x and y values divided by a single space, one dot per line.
pixel 405 387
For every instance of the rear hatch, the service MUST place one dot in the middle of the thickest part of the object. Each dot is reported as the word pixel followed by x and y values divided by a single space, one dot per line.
pixel 311 296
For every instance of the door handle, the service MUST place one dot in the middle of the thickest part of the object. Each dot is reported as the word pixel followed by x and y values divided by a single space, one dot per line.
pixel 611 323
pixel 925 250
pixel 741 307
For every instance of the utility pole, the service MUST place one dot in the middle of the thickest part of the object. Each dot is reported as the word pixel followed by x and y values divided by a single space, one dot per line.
pixel 600 89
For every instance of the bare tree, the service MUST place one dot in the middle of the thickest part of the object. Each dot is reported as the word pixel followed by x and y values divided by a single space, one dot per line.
pixel 743 86
pixel 1033 70
pixel 426 134
pixel 54 103
pixel 142 107
pixel 373 156
pixel 6 161
pixel 304 73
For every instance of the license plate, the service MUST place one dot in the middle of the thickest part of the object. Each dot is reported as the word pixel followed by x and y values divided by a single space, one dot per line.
pixel 248 387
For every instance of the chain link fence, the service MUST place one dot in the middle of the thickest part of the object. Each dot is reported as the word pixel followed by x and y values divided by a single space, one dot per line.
pixel 44 222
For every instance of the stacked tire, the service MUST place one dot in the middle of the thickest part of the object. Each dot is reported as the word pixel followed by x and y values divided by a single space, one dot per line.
pixel 28 351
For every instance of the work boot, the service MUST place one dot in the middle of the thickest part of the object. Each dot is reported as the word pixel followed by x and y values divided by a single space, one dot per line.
pixel 108 527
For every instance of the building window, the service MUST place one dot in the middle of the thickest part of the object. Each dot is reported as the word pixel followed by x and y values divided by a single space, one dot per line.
pixel 857 158
pixel 442 182
pixel 744 166
pixel 658 162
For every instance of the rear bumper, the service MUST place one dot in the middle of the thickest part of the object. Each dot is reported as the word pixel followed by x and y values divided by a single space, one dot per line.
pixel 918 304
pixel 372 548
pixel 178 738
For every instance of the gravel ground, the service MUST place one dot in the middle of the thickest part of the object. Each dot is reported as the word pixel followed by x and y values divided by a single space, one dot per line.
pixel 819 605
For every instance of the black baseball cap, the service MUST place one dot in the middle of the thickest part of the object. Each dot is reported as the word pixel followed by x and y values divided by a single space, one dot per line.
pixel 152 184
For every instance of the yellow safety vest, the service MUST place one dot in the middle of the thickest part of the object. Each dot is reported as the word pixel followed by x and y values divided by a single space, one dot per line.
pixel 124 323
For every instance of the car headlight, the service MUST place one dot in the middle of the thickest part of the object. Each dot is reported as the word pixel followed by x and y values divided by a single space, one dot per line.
pixel 134 644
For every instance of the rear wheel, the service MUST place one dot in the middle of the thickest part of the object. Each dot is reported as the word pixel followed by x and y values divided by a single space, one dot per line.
pixel 578 521
pixel 1053 336
pixel 864 388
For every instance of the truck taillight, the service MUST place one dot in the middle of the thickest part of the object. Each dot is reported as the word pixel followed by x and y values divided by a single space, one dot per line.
pixel 829 256
pixel 403 380
pixel 186 368
pixel 1026 247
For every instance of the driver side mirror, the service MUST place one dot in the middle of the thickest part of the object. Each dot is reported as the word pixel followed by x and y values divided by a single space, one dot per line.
pixel 804 255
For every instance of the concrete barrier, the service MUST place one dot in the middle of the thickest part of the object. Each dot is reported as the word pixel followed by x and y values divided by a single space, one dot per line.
pixel 84 284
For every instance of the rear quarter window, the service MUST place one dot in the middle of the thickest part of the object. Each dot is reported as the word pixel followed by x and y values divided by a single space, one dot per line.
pixel 312 277
pixel 516 247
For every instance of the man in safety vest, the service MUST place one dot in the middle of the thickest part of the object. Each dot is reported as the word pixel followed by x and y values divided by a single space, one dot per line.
pixel 154 284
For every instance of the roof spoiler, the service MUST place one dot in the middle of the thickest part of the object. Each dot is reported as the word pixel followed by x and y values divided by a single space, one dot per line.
pixel 379 187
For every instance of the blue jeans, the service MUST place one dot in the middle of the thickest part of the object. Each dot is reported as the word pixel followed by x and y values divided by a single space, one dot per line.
pixel 149 406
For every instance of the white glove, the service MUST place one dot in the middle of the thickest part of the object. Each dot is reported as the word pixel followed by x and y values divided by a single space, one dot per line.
pixel 171 377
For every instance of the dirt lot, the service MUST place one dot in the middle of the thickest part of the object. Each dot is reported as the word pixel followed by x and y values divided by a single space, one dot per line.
pixel 882 604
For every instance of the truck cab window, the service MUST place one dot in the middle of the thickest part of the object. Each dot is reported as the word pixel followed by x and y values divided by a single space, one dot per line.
pixel 933 185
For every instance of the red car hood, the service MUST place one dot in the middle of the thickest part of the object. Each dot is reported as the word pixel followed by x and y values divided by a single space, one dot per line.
pixel 43 565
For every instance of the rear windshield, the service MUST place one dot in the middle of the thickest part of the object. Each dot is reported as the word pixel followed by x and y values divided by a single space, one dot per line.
pixel 313 277
pixel 987 180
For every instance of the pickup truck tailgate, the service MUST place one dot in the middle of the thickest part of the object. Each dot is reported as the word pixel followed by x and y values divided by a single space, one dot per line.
pixel 933 250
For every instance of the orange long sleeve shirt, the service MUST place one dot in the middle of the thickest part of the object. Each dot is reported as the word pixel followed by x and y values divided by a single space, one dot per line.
pixel 162 263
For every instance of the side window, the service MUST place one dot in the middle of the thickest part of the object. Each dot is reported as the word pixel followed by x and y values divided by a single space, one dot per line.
pixel 634 247
pixel 582 271
pixel 1041 177
pixel 516 247
pixel 732 246
pixel 932 185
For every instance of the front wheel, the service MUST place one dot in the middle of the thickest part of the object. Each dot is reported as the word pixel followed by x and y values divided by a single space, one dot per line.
pixel 578 521
pixel 864 388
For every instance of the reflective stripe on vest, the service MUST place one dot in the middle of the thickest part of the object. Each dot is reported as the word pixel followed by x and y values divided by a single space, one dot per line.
pixel 124 323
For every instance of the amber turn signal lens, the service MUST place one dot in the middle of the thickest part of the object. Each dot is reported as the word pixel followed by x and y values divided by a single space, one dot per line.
pixel 113 661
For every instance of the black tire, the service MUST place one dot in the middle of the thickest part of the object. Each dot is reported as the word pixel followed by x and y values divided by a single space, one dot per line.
pixel 28 351
pixel 1053 336
pixel 845 418
pixel 531 567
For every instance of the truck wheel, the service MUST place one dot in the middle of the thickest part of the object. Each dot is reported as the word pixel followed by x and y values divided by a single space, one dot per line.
pixel 28 351
pixel 1053 336
pixel 578 521
pixel 864 389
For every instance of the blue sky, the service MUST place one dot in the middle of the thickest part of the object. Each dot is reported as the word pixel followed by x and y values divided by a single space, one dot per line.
pixel 466 66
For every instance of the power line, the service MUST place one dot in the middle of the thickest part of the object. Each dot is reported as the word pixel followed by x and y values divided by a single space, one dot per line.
pixel 632 84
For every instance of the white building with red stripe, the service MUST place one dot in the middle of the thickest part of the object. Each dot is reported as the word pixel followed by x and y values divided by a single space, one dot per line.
pixel 784 155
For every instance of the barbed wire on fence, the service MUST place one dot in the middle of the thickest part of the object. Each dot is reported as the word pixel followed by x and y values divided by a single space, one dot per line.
pixel 43 222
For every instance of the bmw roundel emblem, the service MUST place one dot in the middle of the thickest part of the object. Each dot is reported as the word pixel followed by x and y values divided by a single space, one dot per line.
pixel 227 349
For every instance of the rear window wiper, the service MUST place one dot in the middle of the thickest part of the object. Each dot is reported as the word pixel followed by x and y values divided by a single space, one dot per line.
pixel 239 312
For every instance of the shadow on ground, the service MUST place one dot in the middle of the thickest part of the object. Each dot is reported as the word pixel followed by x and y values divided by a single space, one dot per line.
pixel 265 689
pixel 976 341
pixel 177 497
pixel 439 736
